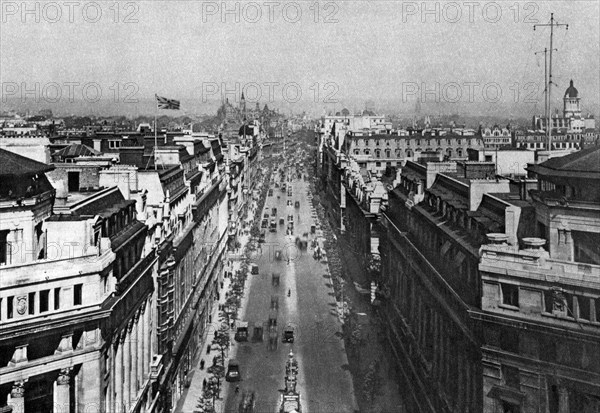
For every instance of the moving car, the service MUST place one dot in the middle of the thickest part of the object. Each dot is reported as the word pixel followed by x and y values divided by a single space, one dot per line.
pixel 247 402
pixel 297 204
pixel 288 335
pixel 273 226
pixel 253 269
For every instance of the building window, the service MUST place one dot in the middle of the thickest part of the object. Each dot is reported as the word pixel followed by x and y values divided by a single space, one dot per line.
pixel 584 308
pixel 31 303
pixel 508 407
pixel 9 307
pixel 4 248
pixel 511 376
pixel 77 296
pixel 57 298
pixel 44 294
pixel 510 295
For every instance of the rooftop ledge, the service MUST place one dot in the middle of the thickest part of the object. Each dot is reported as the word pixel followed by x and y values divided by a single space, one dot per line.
pixel 63 267
pixel 534 262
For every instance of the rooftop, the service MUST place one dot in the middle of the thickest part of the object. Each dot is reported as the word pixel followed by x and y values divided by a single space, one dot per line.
pixel 587 160
pixel 75 150
pixel 13 165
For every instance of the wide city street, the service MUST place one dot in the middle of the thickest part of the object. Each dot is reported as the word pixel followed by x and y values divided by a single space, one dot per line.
pixel 324 383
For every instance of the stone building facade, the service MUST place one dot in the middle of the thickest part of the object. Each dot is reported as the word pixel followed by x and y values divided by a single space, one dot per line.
pixel 540 308
pixel 434 224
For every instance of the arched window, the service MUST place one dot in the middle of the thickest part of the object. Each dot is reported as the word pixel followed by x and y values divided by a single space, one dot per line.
pixel 459 152
pixel 409 153
pixel 388 153
pixel 367 152
pixel 378 153
pixel 449 152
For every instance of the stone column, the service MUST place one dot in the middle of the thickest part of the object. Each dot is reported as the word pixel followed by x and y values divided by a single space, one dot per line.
pixel 148 337
pixel 118 380
pixel 127 365
pixel 110 394
pixel 16 398
pixel 134 358
pixel 563 400
pixel 140 350
pixel 62 391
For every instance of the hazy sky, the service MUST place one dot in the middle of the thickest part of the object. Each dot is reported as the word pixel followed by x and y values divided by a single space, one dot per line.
pixel 350 51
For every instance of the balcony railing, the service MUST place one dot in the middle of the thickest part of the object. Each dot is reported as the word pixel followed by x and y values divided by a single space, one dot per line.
pixel 556 199
pixel 536 264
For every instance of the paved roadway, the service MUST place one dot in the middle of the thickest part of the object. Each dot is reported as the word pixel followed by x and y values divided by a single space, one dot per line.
pixel 324 382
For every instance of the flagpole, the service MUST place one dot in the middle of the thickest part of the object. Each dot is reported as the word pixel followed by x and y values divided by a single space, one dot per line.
pixel 155 132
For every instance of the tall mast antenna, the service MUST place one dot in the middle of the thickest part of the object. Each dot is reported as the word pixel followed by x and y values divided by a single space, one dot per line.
pixel 545 52
pixel 552 25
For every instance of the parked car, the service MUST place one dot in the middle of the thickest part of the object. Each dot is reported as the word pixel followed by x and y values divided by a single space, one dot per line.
pixel 233 371
pixel 241 333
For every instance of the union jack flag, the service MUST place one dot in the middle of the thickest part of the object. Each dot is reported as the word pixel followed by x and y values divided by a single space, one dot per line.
pixel 164 103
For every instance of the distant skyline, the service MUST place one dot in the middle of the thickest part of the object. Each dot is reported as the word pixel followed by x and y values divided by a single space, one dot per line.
pixel 381 51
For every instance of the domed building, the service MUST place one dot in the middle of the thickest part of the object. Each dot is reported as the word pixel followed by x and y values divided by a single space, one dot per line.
pixel 571 120
pixel 571 102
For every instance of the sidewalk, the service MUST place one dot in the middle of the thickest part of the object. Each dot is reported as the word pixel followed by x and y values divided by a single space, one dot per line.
pixel 189 399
